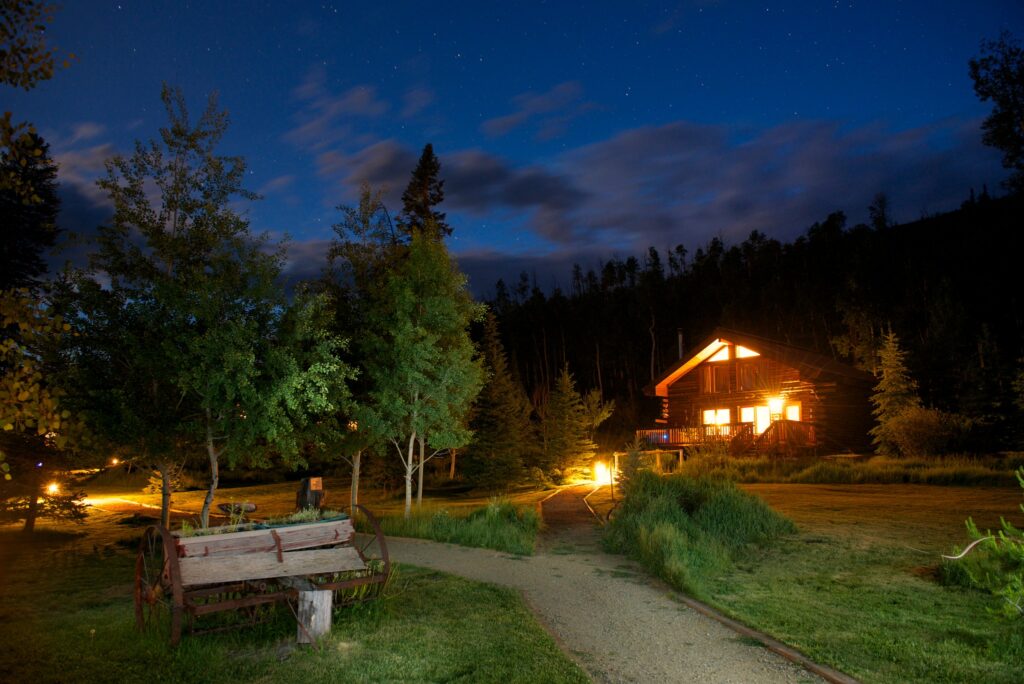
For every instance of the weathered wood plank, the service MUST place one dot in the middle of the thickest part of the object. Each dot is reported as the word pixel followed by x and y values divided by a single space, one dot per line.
pixel 216 569
pixel 259 541
pixel 314 615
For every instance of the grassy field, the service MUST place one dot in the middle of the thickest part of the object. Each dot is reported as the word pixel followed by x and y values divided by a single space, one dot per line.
pixel 66 616
pixel 992 470
pixel 858 588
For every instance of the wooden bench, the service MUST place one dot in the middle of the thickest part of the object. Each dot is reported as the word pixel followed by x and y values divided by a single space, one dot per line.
pixel 178 578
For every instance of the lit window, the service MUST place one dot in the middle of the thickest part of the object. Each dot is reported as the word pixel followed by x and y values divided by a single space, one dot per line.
pixel 721 355
pixel 744 353
pixel 747 414
pixel 793 412
pixel 722 416
pixel 709 417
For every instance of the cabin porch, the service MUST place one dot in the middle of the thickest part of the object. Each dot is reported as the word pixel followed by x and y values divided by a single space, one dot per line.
pixel 780 436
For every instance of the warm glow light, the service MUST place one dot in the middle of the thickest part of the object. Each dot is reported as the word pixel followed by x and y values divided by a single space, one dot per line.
pixel 721 355
pixel 717 416
pixel 744 353
pixel 114 461
pixel 747 414
pixel 353 425
pixel 53 488
pixel 602 474
pixel 793 412
pixel 775 406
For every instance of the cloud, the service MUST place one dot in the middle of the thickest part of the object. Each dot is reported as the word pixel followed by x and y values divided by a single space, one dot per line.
pixel 550 111
pixel 326 118
pixel 415 101
pixel 685 182
pixel 275 185
pixel 86 130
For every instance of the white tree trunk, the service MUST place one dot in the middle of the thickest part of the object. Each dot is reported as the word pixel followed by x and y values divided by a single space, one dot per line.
pixel 419 485
pixel 354 489
pixel 410 470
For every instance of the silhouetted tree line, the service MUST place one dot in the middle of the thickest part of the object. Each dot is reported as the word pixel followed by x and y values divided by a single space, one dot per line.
pixel 947 285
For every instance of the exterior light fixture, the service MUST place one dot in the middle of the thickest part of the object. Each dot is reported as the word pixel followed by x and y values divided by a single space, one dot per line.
pixel 775 407
pixel 53 488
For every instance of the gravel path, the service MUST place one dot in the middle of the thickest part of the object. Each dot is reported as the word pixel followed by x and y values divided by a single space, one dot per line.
pixel 615 621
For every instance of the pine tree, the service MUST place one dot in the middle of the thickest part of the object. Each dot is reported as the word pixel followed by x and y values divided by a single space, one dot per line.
pixel 895 392
pixel 564 430
pixel 30 225
pixel 421 365
pixel 424 192
pixel 501 422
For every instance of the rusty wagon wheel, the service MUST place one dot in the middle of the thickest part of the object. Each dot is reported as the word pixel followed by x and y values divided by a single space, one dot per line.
pixel 158 593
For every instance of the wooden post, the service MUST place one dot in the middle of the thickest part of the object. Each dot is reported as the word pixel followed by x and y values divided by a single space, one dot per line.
pixel 314 614
pixel 657 461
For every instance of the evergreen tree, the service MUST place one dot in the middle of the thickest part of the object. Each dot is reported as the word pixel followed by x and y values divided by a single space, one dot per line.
pixel 420 363
pixel 895 393
pixel 501 420
pixel 564 430
pixel 30 226
pixel 424 192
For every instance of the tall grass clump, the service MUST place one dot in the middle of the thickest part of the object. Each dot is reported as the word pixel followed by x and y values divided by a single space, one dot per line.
pixel 500 525
pixel 689 530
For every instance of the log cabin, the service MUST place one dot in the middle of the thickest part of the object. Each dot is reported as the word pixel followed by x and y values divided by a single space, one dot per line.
pixel 756 395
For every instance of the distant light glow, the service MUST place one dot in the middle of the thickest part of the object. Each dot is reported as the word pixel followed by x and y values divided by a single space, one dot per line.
pixel 53 488
pixel 114 461
pixel 775 406
pixel 602 474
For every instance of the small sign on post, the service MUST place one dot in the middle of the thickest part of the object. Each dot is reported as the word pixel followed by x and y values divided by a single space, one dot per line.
pixel 311 494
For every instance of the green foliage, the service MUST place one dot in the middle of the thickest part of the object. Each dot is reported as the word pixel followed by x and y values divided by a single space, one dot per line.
pixel 894 393
pixel 688 531
pixel 30 224
pixel 920 431
pixel 998 75
pixel 995 564
pixel 421 366
pixel 209 357
pixel 502 432
pixel 424 192
pixel 25 60
pixel 564 430
pixel 596 411
pixel 500 525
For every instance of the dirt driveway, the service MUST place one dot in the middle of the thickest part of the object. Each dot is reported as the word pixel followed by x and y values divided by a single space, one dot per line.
pixel 614 620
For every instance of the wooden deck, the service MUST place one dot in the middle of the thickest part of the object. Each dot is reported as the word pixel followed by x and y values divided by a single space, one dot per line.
pixel 739 438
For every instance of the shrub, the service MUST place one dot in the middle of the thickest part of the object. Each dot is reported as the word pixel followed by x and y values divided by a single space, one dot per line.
pixel 500 525
pixel 687 530
pixel 919 431
pixel 997 567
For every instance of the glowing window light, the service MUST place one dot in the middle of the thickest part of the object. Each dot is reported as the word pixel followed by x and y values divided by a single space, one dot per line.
pixel 723 417
pixel 709 417
pixel 744 352
pixel 721 355
pixel 793 412
pixel 775 406
pixel 747 414
pixel 602 474
pixel 53 488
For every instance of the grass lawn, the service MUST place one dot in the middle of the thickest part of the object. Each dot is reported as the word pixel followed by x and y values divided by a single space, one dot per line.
pixel 857 588
pixel 66 615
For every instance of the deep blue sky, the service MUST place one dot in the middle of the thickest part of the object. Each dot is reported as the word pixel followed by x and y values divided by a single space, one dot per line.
pixel 566 131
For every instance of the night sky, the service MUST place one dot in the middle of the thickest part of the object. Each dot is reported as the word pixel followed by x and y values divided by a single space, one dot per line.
pixel 566 132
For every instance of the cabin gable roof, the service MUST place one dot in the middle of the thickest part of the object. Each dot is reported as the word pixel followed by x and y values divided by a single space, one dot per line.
pixel 811 365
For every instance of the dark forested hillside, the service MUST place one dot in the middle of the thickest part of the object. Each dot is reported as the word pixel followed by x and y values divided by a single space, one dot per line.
pixel 948 285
